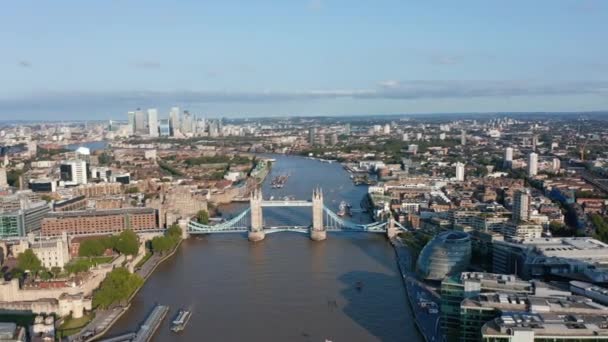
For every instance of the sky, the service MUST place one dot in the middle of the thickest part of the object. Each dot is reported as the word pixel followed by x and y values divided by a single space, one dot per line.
pixel 98 59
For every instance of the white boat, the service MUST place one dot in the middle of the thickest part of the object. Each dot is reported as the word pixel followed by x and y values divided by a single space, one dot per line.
pixel 180 321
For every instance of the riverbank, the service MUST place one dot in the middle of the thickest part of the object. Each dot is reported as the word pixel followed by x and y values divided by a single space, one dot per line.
pixel 104 320
pixel 426 322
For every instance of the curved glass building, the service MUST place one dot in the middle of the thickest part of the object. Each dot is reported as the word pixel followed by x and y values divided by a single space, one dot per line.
pixel 448 253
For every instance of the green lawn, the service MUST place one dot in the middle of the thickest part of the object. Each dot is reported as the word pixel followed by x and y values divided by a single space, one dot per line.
pixel 72 326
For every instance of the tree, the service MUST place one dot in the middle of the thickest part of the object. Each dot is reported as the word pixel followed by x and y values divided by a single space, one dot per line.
pixel 91 248
pixel 202 217
pixel 174 231
pixel 560 230
pixel 28 261
pixel 127 243
pixel 132 190
pixel 118 286
pixel 55 271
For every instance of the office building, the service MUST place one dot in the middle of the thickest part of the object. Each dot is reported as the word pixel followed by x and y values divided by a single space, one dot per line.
pixel 522 230
pixel 533 326
pixel 174 120
pixel 89 222
pixel 131 116
pixel 463 137
pixel 312 132
pixel 532 164
pixel 458 287
pixel 43 185
pixel 448 253
pixel 140 122
pixel 164 128
pixel 21 214
pixel 187 123
pixel 508 157
pixel 558 258
pixel 459 172
pixel 153 122
pixel 521 206
pixel 73 172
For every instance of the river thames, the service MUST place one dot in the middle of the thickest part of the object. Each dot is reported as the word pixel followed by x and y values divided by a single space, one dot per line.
pixel 286 287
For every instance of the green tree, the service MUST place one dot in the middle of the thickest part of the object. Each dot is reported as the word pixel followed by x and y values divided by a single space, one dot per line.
pixel 118 286
pixel 132 190
pixel 55 271
pixel 174 231
pixel 91 248
pixel 202 217
pixel 127 243
pixel 28 261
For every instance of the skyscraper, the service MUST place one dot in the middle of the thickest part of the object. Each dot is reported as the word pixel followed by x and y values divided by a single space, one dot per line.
pixel 521 206
pixel 174 120
pixel 131 116
pixel 508 157
pixel 532 164
pixel 163 128
pixel 312 132
pixel 463 137
pixel 459 172
pixel 140 122
pixel 153 122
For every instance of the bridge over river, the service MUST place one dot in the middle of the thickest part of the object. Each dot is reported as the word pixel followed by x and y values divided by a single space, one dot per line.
pixel 251 220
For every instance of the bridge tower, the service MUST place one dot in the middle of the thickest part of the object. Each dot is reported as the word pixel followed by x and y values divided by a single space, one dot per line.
pixel 391 230
pixel 318 231
pixel 256 231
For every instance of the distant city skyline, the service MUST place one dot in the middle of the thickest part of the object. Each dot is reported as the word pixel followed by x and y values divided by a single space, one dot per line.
pixel 70 60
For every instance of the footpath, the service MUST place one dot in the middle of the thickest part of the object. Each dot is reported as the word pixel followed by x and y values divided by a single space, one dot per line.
pixel 418 292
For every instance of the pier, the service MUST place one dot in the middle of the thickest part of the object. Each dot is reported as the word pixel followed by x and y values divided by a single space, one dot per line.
pixel 147 330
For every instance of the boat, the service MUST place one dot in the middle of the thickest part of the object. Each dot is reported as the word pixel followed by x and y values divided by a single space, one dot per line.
pixel 180 321
pixel 343 209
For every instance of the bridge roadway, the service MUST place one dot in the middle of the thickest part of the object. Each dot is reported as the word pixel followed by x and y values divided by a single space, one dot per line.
pixel 288 203
pixel 298 229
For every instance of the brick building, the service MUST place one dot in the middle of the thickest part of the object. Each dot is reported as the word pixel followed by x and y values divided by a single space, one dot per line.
pixel 91 222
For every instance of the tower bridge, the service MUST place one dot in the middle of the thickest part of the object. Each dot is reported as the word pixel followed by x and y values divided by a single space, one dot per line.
pixel 251 220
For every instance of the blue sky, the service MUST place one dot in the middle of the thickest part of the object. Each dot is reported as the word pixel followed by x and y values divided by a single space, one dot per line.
pixel 98 59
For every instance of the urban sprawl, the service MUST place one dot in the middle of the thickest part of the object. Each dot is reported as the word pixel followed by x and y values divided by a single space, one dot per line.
pixel 502 221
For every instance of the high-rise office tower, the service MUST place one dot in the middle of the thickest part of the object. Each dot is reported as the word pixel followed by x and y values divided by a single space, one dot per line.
pixel 532 164
pixel 163 128
pixel 463 137
pixel 174 120
pixel 508 157
pixel 459 172
pixel 312 132
pixel 131 116
pixel 186 124
pixel 153 122
pixel 141 126
pixel 521 206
